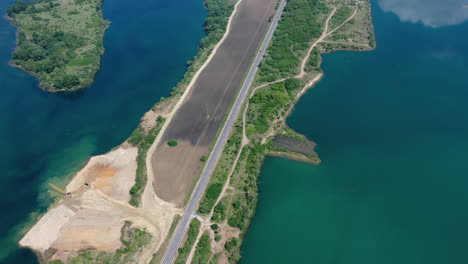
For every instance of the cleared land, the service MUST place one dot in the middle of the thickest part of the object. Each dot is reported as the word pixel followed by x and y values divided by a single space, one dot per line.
pixel 59 41
pixel 201 114
pixel 89 225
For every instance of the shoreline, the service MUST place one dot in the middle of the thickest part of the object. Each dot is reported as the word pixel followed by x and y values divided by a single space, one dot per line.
pixel 151 150
pixel 176 100
pixel 254 146
pixel 83 86
pixel 147 196
pixel 294 156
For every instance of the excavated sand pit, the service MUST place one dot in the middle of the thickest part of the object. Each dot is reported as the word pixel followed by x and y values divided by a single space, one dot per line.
pixel 93 216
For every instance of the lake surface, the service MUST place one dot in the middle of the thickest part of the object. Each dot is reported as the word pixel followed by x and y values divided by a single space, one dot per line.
pixel 48 137
pixel 392 131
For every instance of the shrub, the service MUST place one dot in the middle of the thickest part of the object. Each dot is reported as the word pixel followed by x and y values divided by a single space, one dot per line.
pixel 172 143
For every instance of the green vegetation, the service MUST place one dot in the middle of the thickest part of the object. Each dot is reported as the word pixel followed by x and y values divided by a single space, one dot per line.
pixel 211 195
pixel 203 250
pixel 215 258
pixel 204 158
pixel 232 247
pixel 192 234
pixel 215 24
pixel 341 14
pixel 133 240
pixel 221 172
pixel 143 140
pixel 220 210
pixel 172 143
pixel 299 25
pixel 231 244
pixel 270 103
pixel 59 41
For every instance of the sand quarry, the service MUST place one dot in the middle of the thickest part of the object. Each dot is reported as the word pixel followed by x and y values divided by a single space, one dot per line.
pixel 93 216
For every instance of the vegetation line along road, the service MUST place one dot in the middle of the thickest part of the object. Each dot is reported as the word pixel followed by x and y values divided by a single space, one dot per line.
pixel 230 199
pixel 219 145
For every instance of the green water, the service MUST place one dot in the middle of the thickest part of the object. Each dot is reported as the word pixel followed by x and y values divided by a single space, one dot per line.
pixel 392 131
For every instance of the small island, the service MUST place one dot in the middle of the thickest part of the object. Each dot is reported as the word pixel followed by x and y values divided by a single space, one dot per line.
pixel 59 41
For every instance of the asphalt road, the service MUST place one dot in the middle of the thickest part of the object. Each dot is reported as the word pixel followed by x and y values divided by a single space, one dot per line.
pixel 197 194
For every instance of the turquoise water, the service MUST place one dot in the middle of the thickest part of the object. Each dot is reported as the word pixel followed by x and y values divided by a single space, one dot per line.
pixel 45 137
pixel 392 131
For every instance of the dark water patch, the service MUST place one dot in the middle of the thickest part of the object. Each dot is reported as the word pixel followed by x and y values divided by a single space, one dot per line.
pixel 47 137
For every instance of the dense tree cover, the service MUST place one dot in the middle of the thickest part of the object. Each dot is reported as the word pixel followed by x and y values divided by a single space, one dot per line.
pixel 299 25
pixel 270 102
pixel 61 50
pixel 18 7
pixel 211 195
pixel 231 244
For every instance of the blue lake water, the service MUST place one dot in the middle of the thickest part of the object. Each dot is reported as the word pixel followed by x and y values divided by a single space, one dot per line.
pixel 48 137
pixel 392 131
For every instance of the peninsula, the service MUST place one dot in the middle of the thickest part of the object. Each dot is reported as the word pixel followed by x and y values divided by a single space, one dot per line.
pixel 59 41
pixel 206 141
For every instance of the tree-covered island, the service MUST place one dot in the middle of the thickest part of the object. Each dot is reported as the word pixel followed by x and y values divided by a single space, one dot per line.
pixel 59 41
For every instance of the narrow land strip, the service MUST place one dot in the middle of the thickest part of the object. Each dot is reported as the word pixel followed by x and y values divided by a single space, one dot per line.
pixel 224 245
pixel 219 145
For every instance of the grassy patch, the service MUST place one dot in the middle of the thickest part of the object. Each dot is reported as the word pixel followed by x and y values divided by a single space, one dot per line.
pixel 56 43
pixel 143 141
pixel 203 250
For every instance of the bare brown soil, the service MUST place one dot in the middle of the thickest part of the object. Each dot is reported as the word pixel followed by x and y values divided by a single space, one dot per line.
pixel 201 114
pixel 93 216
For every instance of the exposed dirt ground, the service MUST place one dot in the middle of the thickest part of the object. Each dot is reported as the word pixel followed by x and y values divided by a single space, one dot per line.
pixel 197 121
pixel 93 216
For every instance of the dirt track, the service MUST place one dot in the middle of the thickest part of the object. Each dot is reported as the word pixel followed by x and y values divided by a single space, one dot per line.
pixel 199 118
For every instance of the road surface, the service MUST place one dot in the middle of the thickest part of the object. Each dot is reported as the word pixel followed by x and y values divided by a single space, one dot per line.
pixel 197 194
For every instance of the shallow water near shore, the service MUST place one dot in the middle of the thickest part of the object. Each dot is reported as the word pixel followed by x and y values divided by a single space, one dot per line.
pixel 392 132
pixel 48 137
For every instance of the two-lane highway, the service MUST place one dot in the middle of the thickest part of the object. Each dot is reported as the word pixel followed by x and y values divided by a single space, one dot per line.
pixel 219 145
